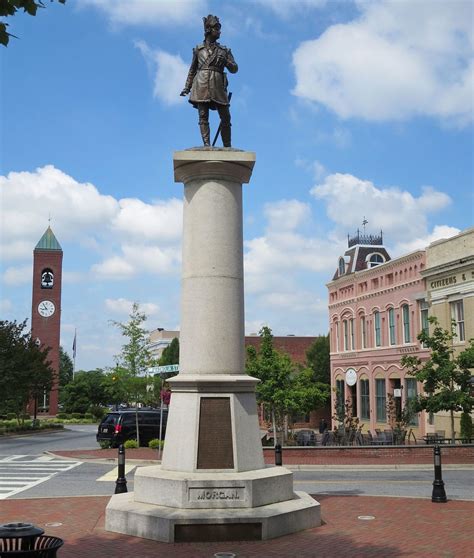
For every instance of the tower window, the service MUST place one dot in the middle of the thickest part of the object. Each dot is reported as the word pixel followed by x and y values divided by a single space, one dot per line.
pixel 375 259
pixel 47 279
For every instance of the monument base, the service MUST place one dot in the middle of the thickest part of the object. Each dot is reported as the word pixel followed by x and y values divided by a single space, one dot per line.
pixel 125 515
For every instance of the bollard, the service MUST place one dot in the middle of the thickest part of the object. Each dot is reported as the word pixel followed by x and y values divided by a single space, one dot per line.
pixel 278 455
pixel 121 483
pixel 439 494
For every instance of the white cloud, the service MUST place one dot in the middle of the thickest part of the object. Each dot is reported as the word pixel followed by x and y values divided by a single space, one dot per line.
pixel 130 235
pixel 420 243
pixel 400 214
pixel 149 12
pixel 162 220
pixel 396 61
pixel 114 268
pixel 124 306
pixel 18 275
pixel 273 259
pixel 169 72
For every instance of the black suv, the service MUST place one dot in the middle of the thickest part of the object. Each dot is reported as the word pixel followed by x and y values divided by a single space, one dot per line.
pixel 119 426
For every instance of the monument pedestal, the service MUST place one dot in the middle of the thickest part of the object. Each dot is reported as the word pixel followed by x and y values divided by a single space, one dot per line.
pixel 212 483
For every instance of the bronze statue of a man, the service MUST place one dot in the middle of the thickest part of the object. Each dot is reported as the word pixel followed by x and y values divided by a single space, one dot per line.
pixel 207 80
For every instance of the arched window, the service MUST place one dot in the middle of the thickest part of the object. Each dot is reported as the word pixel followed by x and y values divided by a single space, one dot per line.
pixel 47 279
pixel 375 259
pixel 391 326
pixel 342 266
pixel 406 323
pixel 378 337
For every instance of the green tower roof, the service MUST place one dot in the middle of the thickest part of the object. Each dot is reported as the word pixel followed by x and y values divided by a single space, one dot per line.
pixel 48 241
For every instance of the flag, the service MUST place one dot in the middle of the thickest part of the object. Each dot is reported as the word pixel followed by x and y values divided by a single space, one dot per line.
pixel 74 345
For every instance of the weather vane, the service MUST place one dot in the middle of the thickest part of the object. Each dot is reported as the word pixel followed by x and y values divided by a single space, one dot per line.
pixel 364 222
pixel 207 81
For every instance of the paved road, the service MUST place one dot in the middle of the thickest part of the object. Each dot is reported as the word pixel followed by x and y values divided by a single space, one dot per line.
pixel 74 436
pixel 415 483
pixel 99 479
pixel 19 473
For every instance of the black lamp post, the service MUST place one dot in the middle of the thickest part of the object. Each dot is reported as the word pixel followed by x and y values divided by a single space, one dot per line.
pixel 439 494
pixel 121 482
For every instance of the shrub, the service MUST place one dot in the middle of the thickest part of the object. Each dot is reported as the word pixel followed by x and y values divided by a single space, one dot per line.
pixel 77 415
pixel 130 444
pixel 97 411
pixel 104 444
pixel 88 416
pixel 62 416
pixel 155 443
pixel 11 416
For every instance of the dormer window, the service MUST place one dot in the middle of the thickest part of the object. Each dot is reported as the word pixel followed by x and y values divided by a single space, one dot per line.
pixel 375 259
pixel 341 267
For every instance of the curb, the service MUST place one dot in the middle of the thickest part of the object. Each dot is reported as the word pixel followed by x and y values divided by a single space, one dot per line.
pixel 292 467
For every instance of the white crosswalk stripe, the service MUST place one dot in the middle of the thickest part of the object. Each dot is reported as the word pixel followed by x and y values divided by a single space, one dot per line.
pixel 21 472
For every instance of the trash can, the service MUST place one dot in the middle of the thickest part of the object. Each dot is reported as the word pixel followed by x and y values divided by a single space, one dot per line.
pixel 27 541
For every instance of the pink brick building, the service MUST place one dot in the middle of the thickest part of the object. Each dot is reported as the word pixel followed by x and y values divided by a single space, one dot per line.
pixel 376 310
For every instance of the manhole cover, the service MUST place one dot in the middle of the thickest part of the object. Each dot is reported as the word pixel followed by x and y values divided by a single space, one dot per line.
pixel 225 555
pixel 366 517
pixel 53 524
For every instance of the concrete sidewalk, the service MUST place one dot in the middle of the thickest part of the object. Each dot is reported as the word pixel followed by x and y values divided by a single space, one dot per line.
pixel 401 527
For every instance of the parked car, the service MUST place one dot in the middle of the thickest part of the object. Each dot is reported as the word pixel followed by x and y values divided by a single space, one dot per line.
pixel 119 426
pixel 306 438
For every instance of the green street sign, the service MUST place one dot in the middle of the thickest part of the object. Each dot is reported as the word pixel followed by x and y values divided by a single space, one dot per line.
pixel 164 369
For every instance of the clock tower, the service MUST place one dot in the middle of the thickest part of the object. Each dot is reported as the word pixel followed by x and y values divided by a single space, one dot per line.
pixel 46 307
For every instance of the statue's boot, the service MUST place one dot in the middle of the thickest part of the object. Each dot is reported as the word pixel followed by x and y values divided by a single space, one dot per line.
pixel 205 133
pixel 225 133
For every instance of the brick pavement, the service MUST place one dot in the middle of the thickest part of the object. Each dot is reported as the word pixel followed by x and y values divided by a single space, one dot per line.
pixel 402 527
pixel 407 455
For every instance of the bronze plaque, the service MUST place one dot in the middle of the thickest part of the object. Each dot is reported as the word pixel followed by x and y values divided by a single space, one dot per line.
pixel 215 448
pixel 218 532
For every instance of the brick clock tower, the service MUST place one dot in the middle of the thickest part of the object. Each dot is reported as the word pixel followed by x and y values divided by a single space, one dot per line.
pixel 46 307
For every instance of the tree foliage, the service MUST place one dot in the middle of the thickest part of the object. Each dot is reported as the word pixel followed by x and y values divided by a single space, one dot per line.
pixel 282 388
pixel 132 363
pixel 86 390
pixel 445 377
pixel 65 368
pixel 9 8
pixel 170 354
pixel 25 371
pixel 317 358
pixel 135 356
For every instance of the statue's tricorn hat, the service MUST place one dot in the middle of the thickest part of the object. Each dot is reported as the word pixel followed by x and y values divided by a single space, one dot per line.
pixel 210 21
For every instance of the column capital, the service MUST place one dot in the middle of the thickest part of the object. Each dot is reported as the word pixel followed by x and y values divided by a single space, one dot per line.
pixel 230 164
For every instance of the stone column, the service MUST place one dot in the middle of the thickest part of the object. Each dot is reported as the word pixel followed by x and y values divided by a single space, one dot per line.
pixel 212 483
pixel 212 421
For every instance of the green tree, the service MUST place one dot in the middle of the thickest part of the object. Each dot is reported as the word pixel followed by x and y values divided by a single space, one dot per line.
pixel 134 359
pixel 317 358
pixel 135 356
pixel 65 368
pixel 282 389
pixel 170 355
pixel 445 377
pixel 9 8
pixel 25 371
pixel 88 389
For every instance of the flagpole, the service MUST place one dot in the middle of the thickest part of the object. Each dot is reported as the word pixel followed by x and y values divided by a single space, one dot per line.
pixel 74 354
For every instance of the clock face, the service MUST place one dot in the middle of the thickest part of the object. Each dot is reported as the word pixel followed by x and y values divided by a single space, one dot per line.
pixel 351 377
pixel 46 308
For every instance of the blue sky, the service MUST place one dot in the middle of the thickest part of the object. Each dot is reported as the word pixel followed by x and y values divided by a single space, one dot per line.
pixel 354 109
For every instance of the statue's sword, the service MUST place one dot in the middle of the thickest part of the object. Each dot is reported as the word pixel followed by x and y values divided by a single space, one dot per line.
pixel 220 125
